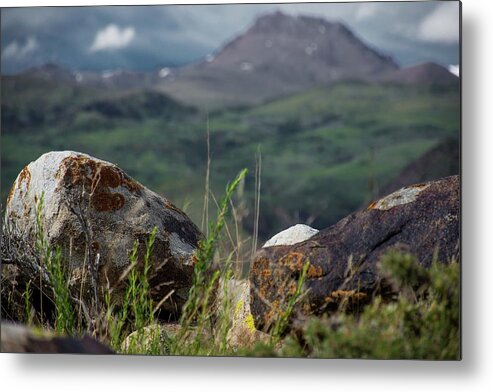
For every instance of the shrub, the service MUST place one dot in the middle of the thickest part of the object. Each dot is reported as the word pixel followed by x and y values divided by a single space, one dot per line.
pixel 423 322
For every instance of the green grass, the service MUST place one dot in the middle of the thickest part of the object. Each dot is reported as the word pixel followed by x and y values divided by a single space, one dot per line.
pixel 325 135
pixel 209 326
pixel 65 317
pixel 137 309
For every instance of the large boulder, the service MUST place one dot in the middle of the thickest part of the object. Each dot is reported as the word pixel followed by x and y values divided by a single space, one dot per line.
pixel 421 219
pixel 95 212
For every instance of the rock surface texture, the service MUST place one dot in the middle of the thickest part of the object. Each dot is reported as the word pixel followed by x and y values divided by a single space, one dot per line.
pixel 421 219
pixel 95 212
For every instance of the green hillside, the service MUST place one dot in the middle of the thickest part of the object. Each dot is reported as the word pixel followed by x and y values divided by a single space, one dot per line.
pixel 325 152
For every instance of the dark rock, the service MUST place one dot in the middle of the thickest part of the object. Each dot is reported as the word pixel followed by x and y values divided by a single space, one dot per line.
pixel 16 338
pixel 421 219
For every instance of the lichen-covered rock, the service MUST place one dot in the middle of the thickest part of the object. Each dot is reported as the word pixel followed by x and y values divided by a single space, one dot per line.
pixel 292 235
pixel 243 332
pixel 17 338
pixel 95 212
pixel 421 219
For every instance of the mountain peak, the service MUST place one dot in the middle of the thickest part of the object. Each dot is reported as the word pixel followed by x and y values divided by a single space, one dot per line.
pixel 303 44
pixel 277 15
pixel 281 54
pixel 278 21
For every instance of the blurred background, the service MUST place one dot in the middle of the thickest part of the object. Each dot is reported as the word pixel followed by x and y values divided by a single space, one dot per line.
pixel 334 104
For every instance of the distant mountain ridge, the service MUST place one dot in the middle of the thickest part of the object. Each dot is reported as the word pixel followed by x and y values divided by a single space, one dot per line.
pixel 278 55
pixel 119 79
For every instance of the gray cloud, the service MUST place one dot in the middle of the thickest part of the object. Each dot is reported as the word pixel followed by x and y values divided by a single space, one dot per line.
pixel 175 35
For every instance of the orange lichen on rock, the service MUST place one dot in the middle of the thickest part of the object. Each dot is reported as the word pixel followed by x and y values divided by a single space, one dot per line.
pixel 107 176
pixel 292 287
pixel 263 271
pixel 260 264
pixel 273 313
pixel 293 260
pixel 106 201
pixel 23 180
pixel 25 175
pixel 99 179
pixel 11 193
pixel 265 287
pixel 314 271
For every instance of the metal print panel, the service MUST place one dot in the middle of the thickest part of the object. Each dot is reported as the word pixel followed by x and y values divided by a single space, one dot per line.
pixel 276 180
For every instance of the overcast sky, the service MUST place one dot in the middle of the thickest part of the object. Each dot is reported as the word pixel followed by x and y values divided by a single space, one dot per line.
pixel 148 37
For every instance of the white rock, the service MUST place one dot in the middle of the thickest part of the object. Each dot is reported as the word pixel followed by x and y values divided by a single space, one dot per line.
pixel 293 235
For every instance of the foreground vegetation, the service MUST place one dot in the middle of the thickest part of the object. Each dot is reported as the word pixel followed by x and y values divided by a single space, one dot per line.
pixel 421 322
pixel 418 317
